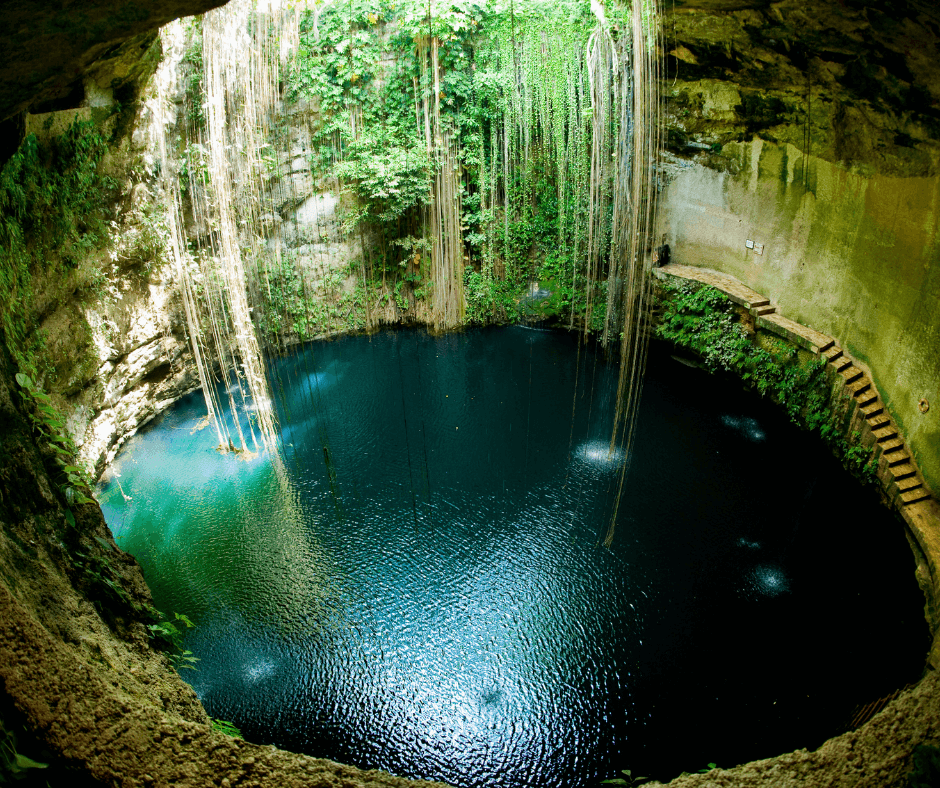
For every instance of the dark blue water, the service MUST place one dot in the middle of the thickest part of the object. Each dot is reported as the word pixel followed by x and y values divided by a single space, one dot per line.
pixel 418 584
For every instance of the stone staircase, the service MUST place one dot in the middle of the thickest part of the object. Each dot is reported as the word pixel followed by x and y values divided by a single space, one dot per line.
pixel 903 481
pixel 900 477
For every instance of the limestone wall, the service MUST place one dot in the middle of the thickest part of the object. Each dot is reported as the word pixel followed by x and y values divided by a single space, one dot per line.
pixel 853 255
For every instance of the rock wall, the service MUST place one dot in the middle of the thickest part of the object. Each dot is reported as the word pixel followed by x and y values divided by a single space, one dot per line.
pixel 113 328
pixel 851 255
pixel 803 160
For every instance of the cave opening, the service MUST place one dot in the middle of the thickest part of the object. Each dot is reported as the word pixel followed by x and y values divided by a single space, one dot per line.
pixel 350 167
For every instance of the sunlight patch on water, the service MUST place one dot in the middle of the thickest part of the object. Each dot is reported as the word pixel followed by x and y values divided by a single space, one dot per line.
pixel 746 427
pixel 257 671
pixel 770 580
pixel 598 455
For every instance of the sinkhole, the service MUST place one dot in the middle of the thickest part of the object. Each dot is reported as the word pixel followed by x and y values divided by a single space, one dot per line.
pixel 418 581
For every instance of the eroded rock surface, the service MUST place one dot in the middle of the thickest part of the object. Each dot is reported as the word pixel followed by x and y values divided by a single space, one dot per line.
pixel 848 82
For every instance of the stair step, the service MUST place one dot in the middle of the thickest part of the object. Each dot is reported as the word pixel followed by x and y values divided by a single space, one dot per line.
pixel 878 421
pixel 871 410
pixel 833 353
pixel 913 496
pixel 891 445
pixel 900 471
pixel 885 433
pixel 859 386
pixel 841 362
pixel 851 373
pixel 758 302
pixel 910 483
pixel 898 458
pixel 765 310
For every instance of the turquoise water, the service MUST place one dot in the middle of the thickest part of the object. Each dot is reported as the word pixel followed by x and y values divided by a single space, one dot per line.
pixel 416 583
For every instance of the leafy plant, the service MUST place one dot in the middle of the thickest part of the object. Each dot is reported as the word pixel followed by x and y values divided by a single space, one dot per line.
pixel 226 727
pixel 171 633
pixel 105 581
pixel 194 86
pixel 16 767
pixel 389 172
pixel 53 211
pixel 295 304
pixel 627 779
pixel 48 424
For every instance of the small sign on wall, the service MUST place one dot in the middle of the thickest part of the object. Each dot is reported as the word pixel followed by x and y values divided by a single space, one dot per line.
pixel 756 247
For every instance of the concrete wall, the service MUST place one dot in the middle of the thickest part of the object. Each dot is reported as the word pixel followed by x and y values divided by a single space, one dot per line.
pixel 856 256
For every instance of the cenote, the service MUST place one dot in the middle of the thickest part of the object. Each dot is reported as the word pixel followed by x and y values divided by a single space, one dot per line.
pixel 419 584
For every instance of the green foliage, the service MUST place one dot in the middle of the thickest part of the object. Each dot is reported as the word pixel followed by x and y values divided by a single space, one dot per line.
pixel 53 212
pixel 226 727
pixel 16 768
pixel 926 771
pixel 193 96
pixel 627 779
pixel 703 320
pixel 105 586
pixel 142 242
pixel 171 635
pixel 491 300
pixel 504 68
pixel 338 55
pixel 194 164
pixel 295 304
pixel 49 427
pixel 390 173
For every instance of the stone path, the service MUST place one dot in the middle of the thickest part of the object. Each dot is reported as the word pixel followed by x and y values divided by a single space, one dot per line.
pixel 902 481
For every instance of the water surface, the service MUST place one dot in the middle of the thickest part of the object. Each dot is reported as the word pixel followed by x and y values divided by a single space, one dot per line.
pixel 418 583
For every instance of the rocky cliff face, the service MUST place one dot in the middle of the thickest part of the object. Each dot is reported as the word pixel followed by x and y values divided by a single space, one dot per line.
pixel 110 324
pixel 849 83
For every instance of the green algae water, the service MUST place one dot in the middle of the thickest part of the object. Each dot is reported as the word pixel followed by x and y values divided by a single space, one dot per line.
pixel 416 583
